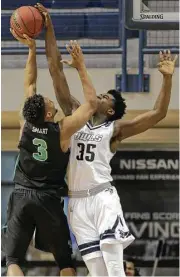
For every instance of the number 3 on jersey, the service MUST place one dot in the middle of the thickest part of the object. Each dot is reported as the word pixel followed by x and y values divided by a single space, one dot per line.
pixel 42 154
pixel 89 154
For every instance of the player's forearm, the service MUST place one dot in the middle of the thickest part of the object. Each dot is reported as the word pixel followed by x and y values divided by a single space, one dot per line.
pixel 88 88
pixel 162 102
pixel 62 92
pixel 56 70
pixel 75 103
pixel 30 70
pixel 52 52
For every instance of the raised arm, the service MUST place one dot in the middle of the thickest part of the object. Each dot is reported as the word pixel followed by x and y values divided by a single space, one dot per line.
pixel 55 66
pixel 147 120
pixel 30 76
pixel 71 124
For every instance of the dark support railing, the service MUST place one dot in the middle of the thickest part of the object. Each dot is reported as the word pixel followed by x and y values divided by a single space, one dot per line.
pixel 124 49
pixel 41 50
pixel 157 49
pixel 141 61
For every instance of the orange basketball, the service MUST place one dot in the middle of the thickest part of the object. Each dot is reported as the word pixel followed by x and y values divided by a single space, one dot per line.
pixel 27 20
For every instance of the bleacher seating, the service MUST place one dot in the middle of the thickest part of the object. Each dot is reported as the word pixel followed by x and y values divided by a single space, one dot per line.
pixel 5 25
pixel 78 25
pixel 82 19
pixel 60 4
pixel 102 26
pixel 68 26
pixel 69 4
pixel 14 4
pixel 110 3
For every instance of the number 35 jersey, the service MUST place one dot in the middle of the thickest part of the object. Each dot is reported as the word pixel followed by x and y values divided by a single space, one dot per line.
pixel 41 162
pixel 90 157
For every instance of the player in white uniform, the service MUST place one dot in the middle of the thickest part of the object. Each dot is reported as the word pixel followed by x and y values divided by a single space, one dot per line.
pixel 96 215
pixel 95 212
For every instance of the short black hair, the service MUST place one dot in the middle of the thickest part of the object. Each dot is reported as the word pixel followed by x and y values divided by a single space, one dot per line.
pixel 34 109
pixel 136 270
pixel 119 105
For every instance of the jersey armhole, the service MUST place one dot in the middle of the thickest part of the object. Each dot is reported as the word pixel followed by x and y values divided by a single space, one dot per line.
pixel 111 137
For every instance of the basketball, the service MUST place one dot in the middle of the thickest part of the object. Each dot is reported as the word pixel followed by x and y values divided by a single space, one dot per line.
pixel 27 20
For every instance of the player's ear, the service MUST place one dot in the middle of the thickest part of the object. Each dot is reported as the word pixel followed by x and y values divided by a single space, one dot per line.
pixel 48 115
pixel 110 112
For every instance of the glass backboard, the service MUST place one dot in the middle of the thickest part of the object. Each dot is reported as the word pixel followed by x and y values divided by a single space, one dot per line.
pixel 152 14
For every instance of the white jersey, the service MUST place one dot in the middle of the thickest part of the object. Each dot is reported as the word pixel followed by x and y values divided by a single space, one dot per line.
pixel 90 157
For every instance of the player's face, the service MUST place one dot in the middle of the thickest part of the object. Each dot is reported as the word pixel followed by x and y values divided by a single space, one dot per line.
pixel 105 104
pixel 130 269
pixel 50 108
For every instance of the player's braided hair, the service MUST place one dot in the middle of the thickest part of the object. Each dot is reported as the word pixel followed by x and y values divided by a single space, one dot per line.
pixel 34 109
pixel 119 105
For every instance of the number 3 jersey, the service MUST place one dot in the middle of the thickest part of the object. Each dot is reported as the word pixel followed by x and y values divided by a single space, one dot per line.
pixel 41 162
pixel 90 157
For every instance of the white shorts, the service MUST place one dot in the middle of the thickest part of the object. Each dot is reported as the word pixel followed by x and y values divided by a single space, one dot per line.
pixel 96 220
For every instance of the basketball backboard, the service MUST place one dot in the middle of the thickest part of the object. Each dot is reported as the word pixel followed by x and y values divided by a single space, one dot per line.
pixel 150 15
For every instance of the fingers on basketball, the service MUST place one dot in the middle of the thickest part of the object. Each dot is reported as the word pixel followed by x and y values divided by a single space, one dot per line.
pixel 11 30
pixel 41 7
pixel 36 6
pixel 27 37
pixel 42 10
pixel 14 34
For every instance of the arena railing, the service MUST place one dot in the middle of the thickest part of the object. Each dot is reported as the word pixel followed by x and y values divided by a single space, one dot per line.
pixel 145 49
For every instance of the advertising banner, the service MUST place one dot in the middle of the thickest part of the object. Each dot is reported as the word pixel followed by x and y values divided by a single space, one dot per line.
pixel 148 186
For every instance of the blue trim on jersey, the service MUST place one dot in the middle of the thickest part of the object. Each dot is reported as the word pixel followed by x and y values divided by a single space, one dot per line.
pixel 110 233
pixel 88 244
pixel 90 250
pixel 89 125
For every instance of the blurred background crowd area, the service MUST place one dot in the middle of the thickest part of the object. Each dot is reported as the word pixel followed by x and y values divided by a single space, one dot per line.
pixel 113 55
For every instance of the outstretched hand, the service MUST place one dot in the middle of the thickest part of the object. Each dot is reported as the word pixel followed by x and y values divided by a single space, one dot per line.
pixel 76 53
pixel 26 40
pixel 167 63
pixel 45 13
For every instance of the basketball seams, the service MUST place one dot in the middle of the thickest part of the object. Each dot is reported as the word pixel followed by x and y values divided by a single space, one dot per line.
pixel 14 24
pixel 34 19
pixel 25 20
pixel 14 19
pixel 37 16
pixel 24 24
